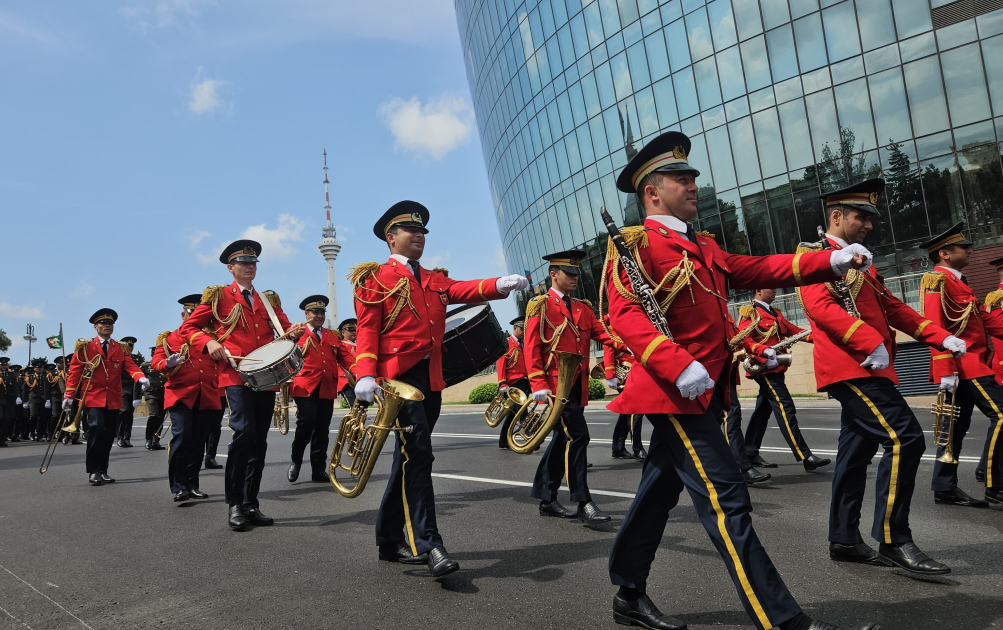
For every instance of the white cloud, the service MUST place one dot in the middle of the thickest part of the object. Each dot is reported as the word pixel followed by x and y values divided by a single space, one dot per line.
pixel 204 96
pixel 276 243
pixel 161 13
pixel 499 260
pixel 194 238
pixel 430 130
pixel 82 291
pixel 20 311
pixel 207 259
pixel 431 262
pixel 13 28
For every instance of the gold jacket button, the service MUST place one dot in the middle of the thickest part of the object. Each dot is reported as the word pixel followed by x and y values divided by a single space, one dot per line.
pixel 395 349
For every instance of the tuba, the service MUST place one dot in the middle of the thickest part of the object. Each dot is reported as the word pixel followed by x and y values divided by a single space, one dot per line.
pixel 360 444
pixel 280 414
pixel 945 414
pixel 511 401
pixel 530 425
pixel 74 427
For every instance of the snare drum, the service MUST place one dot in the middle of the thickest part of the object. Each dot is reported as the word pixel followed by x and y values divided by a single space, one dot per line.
pixel 472 342
pixel 277 362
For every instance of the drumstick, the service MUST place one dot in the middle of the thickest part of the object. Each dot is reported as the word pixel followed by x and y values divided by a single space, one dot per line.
pixel 233 356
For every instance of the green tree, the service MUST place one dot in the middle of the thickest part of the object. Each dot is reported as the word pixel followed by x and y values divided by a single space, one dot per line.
pixel 4 341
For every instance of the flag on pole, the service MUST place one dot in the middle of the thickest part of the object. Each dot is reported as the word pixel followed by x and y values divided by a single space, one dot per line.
pixel 55 341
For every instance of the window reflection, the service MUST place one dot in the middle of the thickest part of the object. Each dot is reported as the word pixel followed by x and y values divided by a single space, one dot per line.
pixel 757 66
pixel 774 13
pixel 722 24
pixel 699 34
pixel 890 109
pixel 686 95
pixel 912 17
pixel 768 139
pixel 742 141
pixel 966 86
pixel 665 103
pixel 747 18
pixel 876 25
pixel 729 66
pixel 810 43
pixel 757 220
pixel 794 124
pixel 675 41
pixel 720 158
pixel 926 96
pixel 707 86
pixel 942 191
pixel 658 59
pixel 855 114
pixel 783 60
pixel 841 31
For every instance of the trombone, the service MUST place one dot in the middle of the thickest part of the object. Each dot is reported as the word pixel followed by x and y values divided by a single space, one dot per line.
pixel 530 426
pixel 74 427
pixel 945 414
pixel 280 414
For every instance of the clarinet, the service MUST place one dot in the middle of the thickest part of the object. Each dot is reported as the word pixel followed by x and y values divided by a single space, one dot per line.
pixel 840 284
pixel 644 292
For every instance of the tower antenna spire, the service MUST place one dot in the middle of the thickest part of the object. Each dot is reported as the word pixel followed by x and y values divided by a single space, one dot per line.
pixel 329 248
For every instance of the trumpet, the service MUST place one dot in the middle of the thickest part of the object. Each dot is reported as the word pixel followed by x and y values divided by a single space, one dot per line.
pixel 280 414
pixel 74 427
pixel 360 444
pixel 530 425
pixel 513 400
pixel 945 414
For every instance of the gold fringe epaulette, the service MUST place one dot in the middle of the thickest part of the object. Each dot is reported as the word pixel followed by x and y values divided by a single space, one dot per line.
pixel 212 293
pixel 808 247
pixel 994 299
pixel 933 281
pixel 273 297
pixel 81 343
pixel 706 233
pixel 337 334
pixel 125 346
pixel 746 311
pixel 585 302
pixel 441 270
pixel 534 305
pixel 357 275
pixel 635 236
pixel 162 337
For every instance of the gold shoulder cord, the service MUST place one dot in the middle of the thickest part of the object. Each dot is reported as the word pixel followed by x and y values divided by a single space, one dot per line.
pixel 753 327
pixel 935 282
pixel 558 331
pixel 184 350
pixel 358 276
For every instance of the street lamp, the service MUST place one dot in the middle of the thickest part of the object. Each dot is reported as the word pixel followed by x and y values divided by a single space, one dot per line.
pixel 30 337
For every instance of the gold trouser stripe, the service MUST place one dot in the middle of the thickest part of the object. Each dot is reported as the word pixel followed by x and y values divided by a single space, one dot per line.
pixel 923 325
pixel 724 422
pixel 893 483
pixel 567 451
pixel 722 529
pixel 407 510
pixel 996 434
pixel 851 330
pixel 796 266
pixel 657 341
pixel 783 413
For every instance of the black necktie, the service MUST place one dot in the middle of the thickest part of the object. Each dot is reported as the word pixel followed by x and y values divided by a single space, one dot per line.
pixel 415 269
pixel 316 334
pixel 247 297
pixel 965 280
pixel 104 348
pixel 567 302
pixel 690 234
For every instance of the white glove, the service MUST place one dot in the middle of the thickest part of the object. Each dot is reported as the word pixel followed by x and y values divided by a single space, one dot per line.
pixel 503 388
pixel 366 388
pixel 957 347
pixel 769 353
pixel 67 404
pixel 694 381
pixel 541 396
pixel 771 363
pixel 174 360
pixel 145 383
pixel 25 405
pixel 507 283
pixel 612 383
pixel 135 404
pixel 48 404
pixel 18 401
pixel 878 359
pixel 949 383
pixel 841 260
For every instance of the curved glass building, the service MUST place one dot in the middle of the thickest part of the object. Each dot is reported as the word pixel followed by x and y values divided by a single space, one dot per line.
pixel 782 99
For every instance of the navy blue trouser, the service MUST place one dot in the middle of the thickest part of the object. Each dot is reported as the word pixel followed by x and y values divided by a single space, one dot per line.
pixel 774 398
pixel 565 456
pixel 101 425
pixel 733 426
pixel 313 426
pixel 690 451
pixel 987 395
pixel 189 428
pixel 523 385
pixel 627 423
pixel 407 511
pixel 250 419
pixel 874 414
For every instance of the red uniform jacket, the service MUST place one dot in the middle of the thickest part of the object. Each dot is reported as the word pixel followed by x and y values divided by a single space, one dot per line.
pixel 614 353
pixel 945 298
pixel 994 304
pixel 842 342
pixel 544 315
pixel 402 322
pixel 106 385
pixel 240 329
pixel 349 347
pixel 197 378
pixel 320 364
pixel 697 317
pixel 512 365
pixel 770 330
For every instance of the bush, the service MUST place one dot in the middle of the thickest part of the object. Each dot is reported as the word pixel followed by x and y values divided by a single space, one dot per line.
pixel 597 389
pixel 483 394
pixel 344 402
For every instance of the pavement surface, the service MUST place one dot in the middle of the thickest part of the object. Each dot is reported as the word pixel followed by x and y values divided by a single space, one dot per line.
pixel 125 556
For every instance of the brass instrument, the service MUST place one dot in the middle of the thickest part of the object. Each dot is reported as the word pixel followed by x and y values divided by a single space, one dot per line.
pixel 598 372
pixel 164 426
pixel 754 368
pixel 280 414
pixel 621 371
pixel 530 426
pixel 945 414
pixel 74 427
pixel 360 444
pixel 511 400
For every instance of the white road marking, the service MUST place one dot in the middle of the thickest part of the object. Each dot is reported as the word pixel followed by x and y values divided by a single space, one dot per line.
pixel 57 604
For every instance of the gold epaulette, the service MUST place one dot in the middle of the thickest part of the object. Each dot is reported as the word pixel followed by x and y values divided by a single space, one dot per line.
pixel 81 343
pixel 124 346
pixel 273 297
pixel 933 281
pixel 746 311
pixel 585 302
pixel 994 299
pixel 337 334
pixel 441 270
pixel 357 275
pixel 212 293
pixel 534 305
pixel 706 233
pixel 162 338
pixel 808 247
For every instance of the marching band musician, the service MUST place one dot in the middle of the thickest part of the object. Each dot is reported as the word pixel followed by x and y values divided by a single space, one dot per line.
pixel 315 388
pixel 8 393
pixel 993 300
pixel 130 398
pixel 764 326
pixel 949 302
pixel 685 379
pixel 854 358
pixel 616 353
pixel 240 322
pixel 511 368
pixel 35 394
pixel 348 331
pixel 192 398
pixel 401 310
pixel 557 322
pixel 733 417
pixel 106 360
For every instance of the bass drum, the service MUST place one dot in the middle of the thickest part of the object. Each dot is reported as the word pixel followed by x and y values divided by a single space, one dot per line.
pixel 472 342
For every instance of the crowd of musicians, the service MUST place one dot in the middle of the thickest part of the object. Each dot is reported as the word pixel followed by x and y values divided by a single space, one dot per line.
pixel 671 349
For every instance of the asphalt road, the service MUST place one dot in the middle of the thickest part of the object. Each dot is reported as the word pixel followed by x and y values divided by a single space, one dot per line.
pixel 125 556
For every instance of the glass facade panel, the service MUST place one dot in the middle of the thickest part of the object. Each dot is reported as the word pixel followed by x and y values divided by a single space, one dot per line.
pixel 775 13
pixel 855 115
pixel 783 60
pixel 722 24
pixel 811 44
pixel 992 53
pixel 890 107
pixel 770 142
pixel 912 17
pixel 877 27
pixel 747 18
pixel 926 96
pixel 756 63
pixel 729 66
pixel 841 32
pixel 966 85
pixel 794 123
pixel 698 31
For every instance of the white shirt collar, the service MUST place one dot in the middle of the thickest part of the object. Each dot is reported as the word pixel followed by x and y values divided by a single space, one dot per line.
pixel 671 222
pixel 957 274
pixel 351 343
pixel 103 339
pixel 838 240
pixel 315 331
pixel 559 294
pixel 403 261
pixel 765 305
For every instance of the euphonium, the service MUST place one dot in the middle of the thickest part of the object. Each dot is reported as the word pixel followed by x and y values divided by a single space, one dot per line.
pixel 503 403
pixel 74 426
pixel 530 426
pixel 598 372
pixel 361 444
pixel 280 414
pixel 945 414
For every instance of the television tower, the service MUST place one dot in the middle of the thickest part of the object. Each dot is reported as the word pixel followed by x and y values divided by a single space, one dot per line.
pixel 329 248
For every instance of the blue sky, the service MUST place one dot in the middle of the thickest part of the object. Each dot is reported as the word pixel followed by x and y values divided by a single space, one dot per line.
pixel 139 136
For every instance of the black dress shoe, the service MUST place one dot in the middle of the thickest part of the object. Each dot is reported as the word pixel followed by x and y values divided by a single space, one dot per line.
pixel 980 475
pixel 642 612
pixel 181 496
pixel 94 479
pixel 994 496
pixel 293 473
pixel 120 443
pixel 440 564
pixel 590 514
pixel 212 464
pixel 256 517
pixel 554 508
pixel 149 445
pixel 14 439
pixel 128 442
pixel 401 552
pixel 156 446
pixel 911 558
pixel 759 462
pixel 641 455
pixel 621 454
pixel 958 497
pixel 198 494
pixel 814 461
pixel 859 553
pixel 105 478
pixel 320 479
pixel 752 476
pixel 237 521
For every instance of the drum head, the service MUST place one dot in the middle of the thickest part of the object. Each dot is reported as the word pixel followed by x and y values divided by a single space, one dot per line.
pixel 473 341
pixel 268 355
pixel 460 316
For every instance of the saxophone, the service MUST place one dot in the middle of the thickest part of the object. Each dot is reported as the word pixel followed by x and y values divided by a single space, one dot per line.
pixel 754 369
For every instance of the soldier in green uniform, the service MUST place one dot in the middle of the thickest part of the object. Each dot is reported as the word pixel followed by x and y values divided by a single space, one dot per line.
pixel 154 396
pixel 53 402
pixel 14 423
pixel 8 393
pixel 35 394
pixel 130 398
